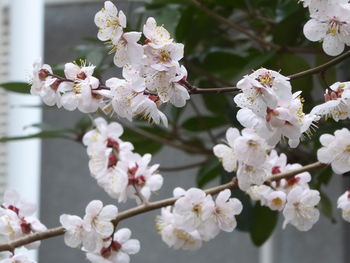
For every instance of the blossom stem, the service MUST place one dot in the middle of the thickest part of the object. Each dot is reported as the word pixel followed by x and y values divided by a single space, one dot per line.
pixel 322 67
pixel 53 232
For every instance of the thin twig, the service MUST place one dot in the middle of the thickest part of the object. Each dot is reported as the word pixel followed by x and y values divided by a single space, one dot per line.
pixel 11 246
pixel 322 67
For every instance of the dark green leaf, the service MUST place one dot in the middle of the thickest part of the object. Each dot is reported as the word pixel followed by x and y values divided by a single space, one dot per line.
pixel 264 222
pixel 245 218
pixel 208 172
pixel 19 87
pixel 40 135
pixel 326 206
pixel 203 123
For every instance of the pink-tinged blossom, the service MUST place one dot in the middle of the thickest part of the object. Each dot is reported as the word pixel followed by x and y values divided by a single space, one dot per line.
pixel 262 90
pixel 116 249
pixel 175 236
pixel 78 93
pixel 157 36
pixel 300 210
pixel 331 26
pixel 336 150
pixel 98 218
pixel 337 102
pixel 110 22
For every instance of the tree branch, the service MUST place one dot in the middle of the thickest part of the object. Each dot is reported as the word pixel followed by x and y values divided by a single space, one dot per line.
pixel 149 207
pixel 322 67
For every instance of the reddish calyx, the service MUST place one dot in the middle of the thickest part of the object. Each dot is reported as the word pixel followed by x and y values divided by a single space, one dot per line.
pixel 270 113
pixel 112 160
pixel 135 180
pixel 43 74
pixel 106 252
pixel 292 181
pixel 14 209
pixel 25 227
pixel 55 85
pixel 81 75
pixel 276 170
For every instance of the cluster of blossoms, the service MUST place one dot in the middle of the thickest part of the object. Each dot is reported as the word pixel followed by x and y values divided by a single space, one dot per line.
pixel 196 217
pixel 152 74
pixel 118 170
pixel 270 109
pixel 337 102
pixel 17 220
pixel 255 163
pixel 96 235
pixel 329 23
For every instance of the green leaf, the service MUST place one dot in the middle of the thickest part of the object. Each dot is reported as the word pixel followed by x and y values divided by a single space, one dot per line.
pixel 326 206
pixel 208 172
pixel 245 218
pixel 40 135
pixel 203 123
pixel 142 145
pixel 264 222
pixel 19 87
pixel 83 124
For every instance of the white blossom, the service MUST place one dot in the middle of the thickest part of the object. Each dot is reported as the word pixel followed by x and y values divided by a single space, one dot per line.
pixel 337 102
pixel 127 50
pixel 44 85
pixel 98 218
pixel 110 22
pixel 225 210
pixel 17 258
pixel 173 235
pixel 226 153
pixel 116 249
pixel 262 90
pixel 193 208
pixel 74 234
pixel 157 36
pixel 344 204
pixel 300 209
pixel 336 150
pixel 79 91
pixel 331 27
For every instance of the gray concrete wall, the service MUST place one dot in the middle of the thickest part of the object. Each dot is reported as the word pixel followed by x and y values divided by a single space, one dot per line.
pixel 67 186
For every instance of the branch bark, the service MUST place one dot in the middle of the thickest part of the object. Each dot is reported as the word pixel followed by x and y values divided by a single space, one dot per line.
pixel 53 232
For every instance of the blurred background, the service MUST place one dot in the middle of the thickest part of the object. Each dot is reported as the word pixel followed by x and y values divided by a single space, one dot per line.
pixel 54 171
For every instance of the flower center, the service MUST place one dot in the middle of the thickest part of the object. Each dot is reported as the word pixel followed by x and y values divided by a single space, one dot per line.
pixel 164 56
pixel 266 79
pixel 277 201
pixel 197 209
pixel 334 26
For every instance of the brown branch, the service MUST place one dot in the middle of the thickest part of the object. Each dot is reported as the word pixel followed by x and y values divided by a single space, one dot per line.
pixel 148 207
pixel 322 67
